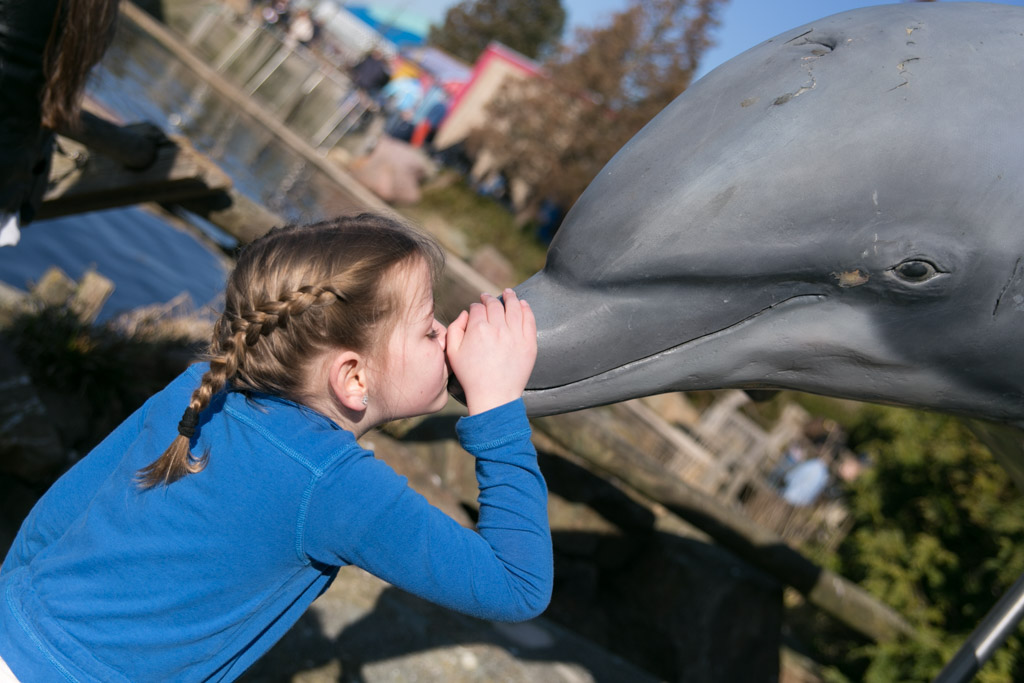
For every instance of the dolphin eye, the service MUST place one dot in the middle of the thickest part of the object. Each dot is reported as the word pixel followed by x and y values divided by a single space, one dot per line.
pixel 915 271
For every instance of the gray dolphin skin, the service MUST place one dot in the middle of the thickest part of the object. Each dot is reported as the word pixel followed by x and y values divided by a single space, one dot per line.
pixel 838 210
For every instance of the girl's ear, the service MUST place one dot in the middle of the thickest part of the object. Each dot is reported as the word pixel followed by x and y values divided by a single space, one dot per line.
pixel 348 380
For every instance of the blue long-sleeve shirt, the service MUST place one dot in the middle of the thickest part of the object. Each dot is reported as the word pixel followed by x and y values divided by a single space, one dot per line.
pixel 194 581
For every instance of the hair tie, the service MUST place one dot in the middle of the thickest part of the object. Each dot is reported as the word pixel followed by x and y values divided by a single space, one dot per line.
pixel 187 426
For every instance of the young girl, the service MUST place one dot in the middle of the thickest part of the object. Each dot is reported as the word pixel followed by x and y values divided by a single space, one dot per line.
pixel 184 546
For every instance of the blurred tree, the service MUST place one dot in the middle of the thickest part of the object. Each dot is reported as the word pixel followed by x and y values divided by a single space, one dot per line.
pixel 532 27
pixel 557 133
pixel 939 536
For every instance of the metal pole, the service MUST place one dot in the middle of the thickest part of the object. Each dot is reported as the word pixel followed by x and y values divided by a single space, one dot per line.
pixel 199 30
pixel 993 630
pixel 241 41
pixel 330 126
pixel 270 67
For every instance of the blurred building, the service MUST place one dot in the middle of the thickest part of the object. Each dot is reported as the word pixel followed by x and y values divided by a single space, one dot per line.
pixel 494 68
pixel 469 108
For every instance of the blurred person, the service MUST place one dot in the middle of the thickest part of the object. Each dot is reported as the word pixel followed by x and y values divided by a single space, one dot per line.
pixel 47 49
pixel 371 73
pixel 303 28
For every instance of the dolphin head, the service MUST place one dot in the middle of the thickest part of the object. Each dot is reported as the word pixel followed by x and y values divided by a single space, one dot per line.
pixel 838 210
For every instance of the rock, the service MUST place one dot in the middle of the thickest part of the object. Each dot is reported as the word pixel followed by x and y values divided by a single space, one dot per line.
pixel 490 263
pixel 406 462
pixel 16 500
pixel 642 583
pixel 90 294
pixel 362 629
pixel 13 302
pixel 629 577
pixel 54 288
pixel 393 171
pixel 29 446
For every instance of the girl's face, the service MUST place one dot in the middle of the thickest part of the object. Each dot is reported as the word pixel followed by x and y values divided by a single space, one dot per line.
pixel 416 377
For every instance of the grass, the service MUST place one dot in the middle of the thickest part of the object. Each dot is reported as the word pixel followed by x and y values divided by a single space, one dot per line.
pixel 481 221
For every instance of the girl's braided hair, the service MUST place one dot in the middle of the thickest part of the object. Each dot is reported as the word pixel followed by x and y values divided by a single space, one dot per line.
pixel 294 294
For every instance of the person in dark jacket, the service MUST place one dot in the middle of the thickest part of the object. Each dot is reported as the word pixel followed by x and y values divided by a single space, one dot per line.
pixel 47 48
pixel 371 73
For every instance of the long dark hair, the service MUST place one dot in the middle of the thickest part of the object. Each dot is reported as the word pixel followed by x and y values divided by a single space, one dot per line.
pixel 79 35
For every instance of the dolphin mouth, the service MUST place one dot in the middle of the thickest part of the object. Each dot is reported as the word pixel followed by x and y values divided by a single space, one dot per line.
pixel 604 387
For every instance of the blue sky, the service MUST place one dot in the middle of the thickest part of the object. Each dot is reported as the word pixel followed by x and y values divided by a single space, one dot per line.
pixel 744 23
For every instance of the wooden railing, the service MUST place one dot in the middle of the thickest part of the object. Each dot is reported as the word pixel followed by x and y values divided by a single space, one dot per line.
pixel 298 86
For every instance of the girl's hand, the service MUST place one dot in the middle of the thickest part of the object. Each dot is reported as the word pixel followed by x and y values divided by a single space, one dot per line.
pixel 491 349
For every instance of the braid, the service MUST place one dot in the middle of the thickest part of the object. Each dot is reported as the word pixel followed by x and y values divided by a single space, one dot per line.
pixel 246 330
pixel 275 323
pixel 177 460
pixel 267 317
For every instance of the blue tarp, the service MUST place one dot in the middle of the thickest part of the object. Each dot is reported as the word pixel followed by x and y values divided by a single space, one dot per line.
pixel 389 27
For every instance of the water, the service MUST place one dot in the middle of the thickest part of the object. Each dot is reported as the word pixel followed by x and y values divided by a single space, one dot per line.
pixel 150 260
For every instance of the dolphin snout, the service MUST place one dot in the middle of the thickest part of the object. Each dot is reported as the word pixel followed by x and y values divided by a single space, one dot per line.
pixel 556 309
pixel 586 329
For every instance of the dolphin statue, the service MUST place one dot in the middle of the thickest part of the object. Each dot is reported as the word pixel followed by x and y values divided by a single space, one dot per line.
pixel 838 210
